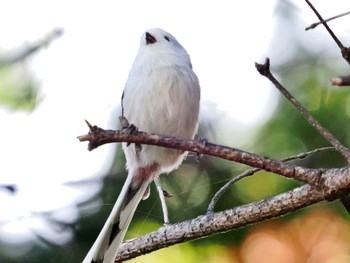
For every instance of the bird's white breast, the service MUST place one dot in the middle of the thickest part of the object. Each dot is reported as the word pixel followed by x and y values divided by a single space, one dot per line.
pixel 163 100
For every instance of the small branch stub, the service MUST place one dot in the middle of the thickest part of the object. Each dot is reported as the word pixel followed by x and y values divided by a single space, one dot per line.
pixel 96 136
pixel 341 81
pixel 263 69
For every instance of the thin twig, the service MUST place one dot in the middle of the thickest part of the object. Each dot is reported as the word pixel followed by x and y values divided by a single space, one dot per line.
pixel 223 189
pixel 344 50
pixel 211 223
pixel 340 45
pixel 314 25
pixel 27 51
pixel 346 55
pixel 250 172
pixel 98 136
pixel 265 71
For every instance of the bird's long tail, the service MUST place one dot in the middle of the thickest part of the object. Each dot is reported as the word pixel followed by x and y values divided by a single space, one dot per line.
pixel 105 248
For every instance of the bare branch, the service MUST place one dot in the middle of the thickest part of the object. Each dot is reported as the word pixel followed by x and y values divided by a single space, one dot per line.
pixel 265 71
pixel 98 137
pixel 344 50
pixel 332 184
pixel 314 25
pixel 341 81
pixel 205 225
pixel 31 49
pixel 323 184
pixel 250 172
pixel 336 40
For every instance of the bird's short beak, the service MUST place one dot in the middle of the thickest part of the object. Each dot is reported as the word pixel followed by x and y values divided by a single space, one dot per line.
pixel 150 39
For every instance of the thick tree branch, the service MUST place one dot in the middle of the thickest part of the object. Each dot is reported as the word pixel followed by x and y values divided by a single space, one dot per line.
pixel 345 51
pixel 336 180
pixel 264 69
pixel 98 137
pixel 322 184
pixel 334 183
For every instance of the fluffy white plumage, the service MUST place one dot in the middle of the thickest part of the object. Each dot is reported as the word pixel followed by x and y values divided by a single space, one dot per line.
pixel 161 96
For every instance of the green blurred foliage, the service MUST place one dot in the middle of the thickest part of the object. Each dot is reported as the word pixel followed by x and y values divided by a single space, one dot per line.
pixel 196 181
pixel 286 133
pixel 18 89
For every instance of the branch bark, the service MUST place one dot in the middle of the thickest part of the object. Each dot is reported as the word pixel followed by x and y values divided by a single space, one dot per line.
pixel 98 136
pixel 341 81
pixel 264 69
pixel 321 184
pixel 250 172
pixel 344 50
pixel 325 184
pixel 211 223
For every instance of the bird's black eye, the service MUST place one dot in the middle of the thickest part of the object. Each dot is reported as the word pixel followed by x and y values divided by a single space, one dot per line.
pixel 167 38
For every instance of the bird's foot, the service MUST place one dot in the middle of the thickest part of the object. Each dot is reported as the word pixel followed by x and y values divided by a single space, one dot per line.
pixel 203 142
pixel 126 126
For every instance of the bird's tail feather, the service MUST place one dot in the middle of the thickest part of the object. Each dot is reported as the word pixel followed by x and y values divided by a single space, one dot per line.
pixel 105 248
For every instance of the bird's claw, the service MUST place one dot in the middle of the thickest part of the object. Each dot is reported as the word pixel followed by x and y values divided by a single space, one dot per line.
pixel 203 142
pixel 127 127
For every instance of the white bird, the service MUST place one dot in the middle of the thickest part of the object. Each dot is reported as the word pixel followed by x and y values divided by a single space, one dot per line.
pixel 161 96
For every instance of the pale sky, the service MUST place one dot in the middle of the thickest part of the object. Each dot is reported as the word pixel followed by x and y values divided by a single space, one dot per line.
pixel 82 75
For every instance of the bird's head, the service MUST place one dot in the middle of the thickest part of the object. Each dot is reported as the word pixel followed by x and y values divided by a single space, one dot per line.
pixel 156 42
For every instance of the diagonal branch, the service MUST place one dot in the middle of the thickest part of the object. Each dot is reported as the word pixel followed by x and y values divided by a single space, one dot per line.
pixel 314 25
pixel 344 50
pixel 30 49
pixel 211 223
pixel 340 45
pixel 265 71
pixel 250 172
pixel 98 136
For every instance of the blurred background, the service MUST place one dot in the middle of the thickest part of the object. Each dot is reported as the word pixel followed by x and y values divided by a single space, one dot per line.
pixel 62 62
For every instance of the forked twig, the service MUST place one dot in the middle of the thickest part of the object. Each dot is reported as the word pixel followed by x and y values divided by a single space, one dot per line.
pixel 250 172
pixel 314 25
pixel 264 69
pixel 344 50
